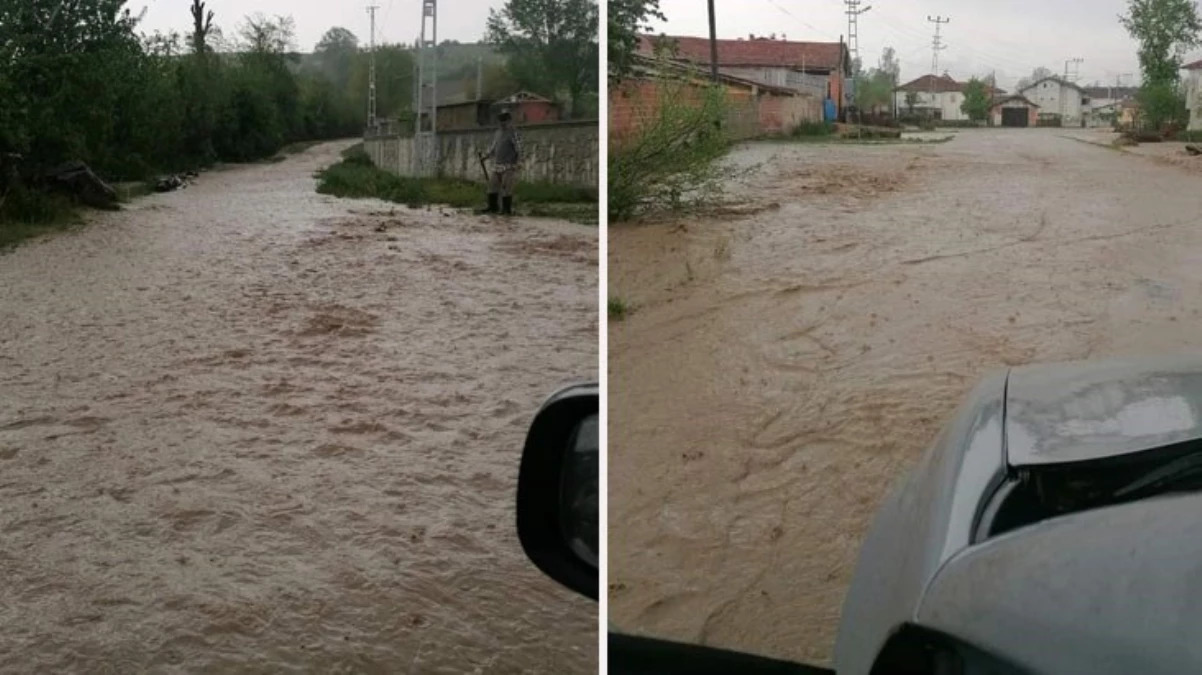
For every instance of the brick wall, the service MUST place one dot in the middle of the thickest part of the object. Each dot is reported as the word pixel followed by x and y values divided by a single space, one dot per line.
pixel 634 102
pixel 563 152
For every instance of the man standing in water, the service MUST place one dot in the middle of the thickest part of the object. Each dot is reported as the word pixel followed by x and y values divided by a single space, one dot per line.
pixel 506 153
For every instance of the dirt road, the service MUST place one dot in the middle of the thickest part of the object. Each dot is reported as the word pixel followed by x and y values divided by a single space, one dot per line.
pixel 781 371
pixel 248 428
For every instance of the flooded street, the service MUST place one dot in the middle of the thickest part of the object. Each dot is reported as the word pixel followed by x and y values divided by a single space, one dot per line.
pixel 781 370
pixel 248 428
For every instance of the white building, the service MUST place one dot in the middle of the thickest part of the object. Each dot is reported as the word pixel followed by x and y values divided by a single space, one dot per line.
pixel 1058 97
pixel 1103 104
pixel 937 94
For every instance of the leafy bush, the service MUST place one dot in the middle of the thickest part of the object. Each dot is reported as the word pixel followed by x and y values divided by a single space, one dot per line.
pixel 958 124
pixel 671 159
pixel 1161 105
pixel 814 129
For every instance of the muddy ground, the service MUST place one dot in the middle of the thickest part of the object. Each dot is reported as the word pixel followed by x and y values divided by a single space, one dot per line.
pixel 248 428
pixel 780 371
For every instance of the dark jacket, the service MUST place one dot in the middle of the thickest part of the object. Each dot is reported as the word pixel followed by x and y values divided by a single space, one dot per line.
pixel 506 147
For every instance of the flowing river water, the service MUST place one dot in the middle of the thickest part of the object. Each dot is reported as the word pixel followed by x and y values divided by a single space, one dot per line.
pixel 248 428
pixel 783 367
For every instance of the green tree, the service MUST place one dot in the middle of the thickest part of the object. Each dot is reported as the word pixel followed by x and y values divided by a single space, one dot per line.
pixel 976 100
pixel 1165 29
pixel 551 44
pixel 337 50
pixel 625 20
pixel 202 26
pixel 874 88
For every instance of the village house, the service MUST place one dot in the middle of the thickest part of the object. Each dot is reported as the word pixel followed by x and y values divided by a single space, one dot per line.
pixel 819 69
pixel 753 108
pixel 937 97
pixel 1059 101
pixel 1014 110
pixel 458 111
pixel 1103 105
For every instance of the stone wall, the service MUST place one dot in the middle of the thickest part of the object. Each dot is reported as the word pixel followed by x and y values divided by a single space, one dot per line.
pixel 562 152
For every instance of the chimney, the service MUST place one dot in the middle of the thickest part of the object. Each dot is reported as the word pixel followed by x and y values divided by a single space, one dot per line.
pixel 751 36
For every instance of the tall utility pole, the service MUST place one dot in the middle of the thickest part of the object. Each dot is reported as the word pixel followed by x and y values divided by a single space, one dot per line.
pixel 479 77
pixel 853 26
pixel 713 44
pixel 371 71
pixel 937 44
pixel 425 139
pixel 1075 71
pixel 936 47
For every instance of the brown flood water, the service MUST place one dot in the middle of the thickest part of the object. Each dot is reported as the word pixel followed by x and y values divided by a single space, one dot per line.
pixel 781 371
pixel 248 428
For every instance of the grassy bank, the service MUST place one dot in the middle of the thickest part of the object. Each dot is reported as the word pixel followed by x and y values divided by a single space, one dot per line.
pixel 25 214
pixel 356 177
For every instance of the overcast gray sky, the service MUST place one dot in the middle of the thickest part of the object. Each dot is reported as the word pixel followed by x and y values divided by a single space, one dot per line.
pixel 396 20
pixel 1011 37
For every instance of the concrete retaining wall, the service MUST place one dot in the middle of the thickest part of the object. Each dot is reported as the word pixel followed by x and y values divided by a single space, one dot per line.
pixel 565 153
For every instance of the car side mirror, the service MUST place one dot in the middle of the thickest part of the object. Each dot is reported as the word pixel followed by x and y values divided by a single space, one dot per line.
pixel 558 498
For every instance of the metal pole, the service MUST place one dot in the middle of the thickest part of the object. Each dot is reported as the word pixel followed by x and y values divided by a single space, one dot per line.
pixel 936 47
pixel 371 71
pixel 713 44
pixel 479 78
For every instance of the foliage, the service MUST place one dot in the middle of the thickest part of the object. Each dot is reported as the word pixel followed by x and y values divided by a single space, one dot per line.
pixel 625 19
pixel 1161 105
pixel 551 45
pixel 671 161
pixel 1165 29
pixel 618 308
pixel 874 87
pixel 976 100
pixel 814 129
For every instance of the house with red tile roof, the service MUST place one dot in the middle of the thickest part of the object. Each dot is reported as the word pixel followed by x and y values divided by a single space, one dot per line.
pixel 940 96
pixel 815 68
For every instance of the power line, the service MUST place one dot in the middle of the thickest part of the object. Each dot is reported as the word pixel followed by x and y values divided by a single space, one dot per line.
pixel 796 18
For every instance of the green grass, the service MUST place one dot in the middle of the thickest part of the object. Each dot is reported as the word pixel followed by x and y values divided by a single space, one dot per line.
pixel 25 214
pixel 618 309
pixel 814 130
pixel 356 177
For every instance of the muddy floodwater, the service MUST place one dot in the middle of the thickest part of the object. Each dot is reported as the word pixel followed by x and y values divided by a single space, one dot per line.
pixel 782 368
pixel 248 428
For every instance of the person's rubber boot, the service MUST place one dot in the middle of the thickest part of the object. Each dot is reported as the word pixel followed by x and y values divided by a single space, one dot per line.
pixel 492 203
pixel 507 206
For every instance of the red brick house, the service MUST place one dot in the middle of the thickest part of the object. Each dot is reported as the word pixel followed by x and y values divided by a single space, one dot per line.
pixel 753 109
pixel 818 69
